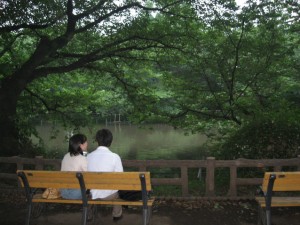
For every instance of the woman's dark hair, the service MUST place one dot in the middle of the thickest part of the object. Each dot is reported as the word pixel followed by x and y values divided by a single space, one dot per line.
pixel 104 137
pixel 74 144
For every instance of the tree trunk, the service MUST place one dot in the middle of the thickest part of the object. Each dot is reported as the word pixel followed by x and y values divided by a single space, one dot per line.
pixel 10 138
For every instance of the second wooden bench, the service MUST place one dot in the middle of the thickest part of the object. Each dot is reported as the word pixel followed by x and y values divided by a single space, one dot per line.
pixel 277 182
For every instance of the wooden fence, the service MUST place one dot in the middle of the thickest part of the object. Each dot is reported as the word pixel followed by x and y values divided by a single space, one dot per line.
pixel 209 166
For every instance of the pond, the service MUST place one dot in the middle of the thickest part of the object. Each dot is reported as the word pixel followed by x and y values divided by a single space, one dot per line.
pixel 131 141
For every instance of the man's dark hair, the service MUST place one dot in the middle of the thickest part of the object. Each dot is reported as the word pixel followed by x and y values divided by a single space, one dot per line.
pixel 104 137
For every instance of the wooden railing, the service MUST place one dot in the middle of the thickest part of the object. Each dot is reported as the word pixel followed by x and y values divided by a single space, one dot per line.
pixel 209 166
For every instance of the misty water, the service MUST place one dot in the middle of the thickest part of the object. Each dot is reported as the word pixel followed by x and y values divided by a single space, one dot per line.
pixel 131 141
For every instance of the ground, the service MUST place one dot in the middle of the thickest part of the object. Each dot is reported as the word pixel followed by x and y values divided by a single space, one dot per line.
pixel 165 212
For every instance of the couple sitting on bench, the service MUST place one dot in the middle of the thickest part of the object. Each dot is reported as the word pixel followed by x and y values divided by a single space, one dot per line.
pixel 100 160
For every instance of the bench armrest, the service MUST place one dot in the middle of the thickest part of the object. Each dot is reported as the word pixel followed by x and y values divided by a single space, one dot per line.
pixel 269 193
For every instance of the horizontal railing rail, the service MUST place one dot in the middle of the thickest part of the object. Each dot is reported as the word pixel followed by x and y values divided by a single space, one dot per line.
pixel 210 165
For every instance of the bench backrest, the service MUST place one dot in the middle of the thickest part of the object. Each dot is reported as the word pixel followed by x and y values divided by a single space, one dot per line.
pixel 116 180
pixel 285 181
pixel 92 180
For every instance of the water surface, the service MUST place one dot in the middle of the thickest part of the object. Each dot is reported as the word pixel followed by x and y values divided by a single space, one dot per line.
pixel 132 142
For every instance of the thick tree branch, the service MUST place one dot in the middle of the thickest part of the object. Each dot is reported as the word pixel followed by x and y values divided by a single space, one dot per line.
pixel 43 101
pixel 7 29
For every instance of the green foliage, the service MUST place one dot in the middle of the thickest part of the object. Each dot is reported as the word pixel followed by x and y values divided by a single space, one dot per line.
pixel 235 66
pixel 70 59
pixel 204 66
pixel 268 136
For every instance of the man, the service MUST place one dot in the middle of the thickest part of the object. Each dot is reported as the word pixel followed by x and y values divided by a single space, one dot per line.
pixel 103 160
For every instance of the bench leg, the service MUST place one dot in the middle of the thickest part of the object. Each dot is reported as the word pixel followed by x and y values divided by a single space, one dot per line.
pixel 268 217
pixel 149 214
pixel 91 212
pixel 28 213
pixel 260 215
pixel 145 216
pixel 84 215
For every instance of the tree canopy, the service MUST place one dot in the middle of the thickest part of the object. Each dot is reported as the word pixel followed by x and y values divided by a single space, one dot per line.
pixel 40 38
pixel 195 64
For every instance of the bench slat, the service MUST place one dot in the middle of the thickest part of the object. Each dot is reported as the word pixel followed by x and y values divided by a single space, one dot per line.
pixel 39 198
pixel 116 181
pixel 93 180
pixel 285 181
pixel 46 179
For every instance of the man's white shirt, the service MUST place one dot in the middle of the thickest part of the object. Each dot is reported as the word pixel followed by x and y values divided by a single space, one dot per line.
pixel 103 160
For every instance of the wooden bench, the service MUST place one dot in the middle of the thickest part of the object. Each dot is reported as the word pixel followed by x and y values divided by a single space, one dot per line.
pixel 273 183
pixel 32 180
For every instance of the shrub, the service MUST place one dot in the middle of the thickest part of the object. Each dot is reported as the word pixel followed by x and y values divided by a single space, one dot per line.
pixel 266 137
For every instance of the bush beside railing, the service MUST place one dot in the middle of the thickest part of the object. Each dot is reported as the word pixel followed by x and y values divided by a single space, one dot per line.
pixel 210 165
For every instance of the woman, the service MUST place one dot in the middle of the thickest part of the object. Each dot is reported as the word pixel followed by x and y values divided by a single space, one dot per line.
pixel 74 160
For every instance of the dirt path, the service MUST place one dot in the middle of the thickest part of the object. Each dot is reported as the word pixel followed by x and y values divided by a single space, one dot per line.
pixel 12 212
pixel 164 213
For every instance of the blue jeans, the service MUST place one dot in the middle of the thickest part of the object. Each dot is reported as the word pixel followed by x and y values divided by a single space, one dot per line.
pixel 71 193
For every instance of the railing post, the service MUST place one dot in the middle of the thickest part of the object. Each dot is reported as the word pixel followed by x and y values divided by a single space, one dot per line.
pixel 19 162
pixel 184 181
pixel 233 176
pixel 142 168
pixel 39 163
pixel 277 168
pixel 57 166
pixel 210 177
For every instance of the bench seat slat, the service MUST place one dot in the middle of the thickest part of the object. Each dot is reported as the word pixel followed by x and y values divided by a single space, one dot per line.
pixel 39 198
pixel 112 185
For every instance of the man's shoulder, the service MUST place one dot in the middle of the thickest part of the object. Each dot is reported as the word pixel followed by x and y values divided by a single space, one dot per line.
pixel 117 155
pixel 90 155
pixel 92 152
pixel 102 151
